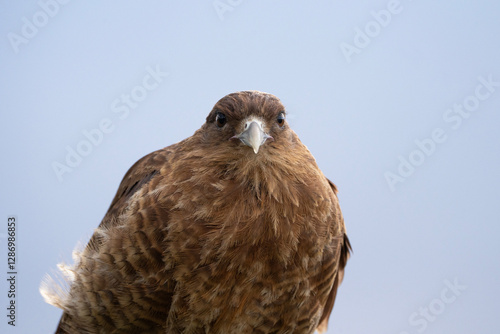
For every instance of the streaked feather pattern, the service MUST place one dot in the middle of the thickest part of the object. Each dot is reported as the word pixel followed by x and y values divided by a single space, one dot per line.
pixel 205 236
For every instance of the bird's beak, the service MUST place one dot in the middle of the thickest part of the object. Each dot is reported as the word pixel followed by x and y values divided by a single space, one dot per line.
pixel 253 136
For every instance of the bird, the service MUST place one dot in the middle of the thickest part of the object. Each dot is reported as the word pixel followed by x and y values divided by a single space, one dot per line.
pixel 232 230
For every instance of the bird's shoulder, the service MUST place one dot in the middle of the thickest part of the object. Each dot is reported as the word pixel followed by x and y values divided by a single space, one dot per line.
pixel 141 178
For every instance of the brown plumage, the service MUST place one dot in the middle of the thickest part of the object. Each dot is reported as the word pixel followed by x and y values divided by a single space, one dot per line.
pixel 232 230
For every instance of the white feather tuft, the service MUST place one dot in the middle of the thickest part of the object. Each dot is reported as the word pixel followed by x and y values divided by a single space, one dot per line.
pixel 55 288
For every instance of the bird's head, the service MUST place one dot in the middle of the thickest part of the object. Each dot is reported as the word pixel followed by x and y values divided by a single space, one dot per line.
pixel 247 118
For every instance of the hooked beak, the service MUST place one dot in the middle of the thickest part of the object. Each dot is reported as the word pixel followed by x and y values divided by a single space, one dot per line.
pixel 253 136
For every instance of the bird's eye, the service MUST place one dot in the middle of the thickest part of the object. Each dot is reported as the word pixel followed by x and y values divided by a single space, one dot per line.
pixel 220 119
pixel 281 119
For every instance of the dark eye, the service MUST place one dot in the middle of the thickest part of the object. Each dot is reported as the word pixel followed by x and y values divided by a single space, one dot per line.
pixel 220 119
pixel 281 119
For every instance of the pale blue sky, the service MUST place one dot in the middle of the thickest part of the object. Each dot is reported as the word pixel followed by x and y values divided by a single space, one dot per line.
pixel 360 93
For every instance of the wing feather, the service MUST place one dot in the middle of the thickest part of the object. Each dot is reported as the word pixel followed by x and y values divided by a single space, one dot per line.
pixel 142 174
pixel 137 177
pixel 345 250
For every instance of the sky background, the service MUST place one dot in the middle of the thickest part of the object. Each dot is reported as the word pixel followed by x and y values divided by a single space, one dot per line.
pixel 398 101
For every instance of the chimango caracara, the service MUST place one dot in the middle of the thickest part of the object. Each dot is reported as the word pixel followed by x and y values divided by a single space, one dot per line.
pixel 232 230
